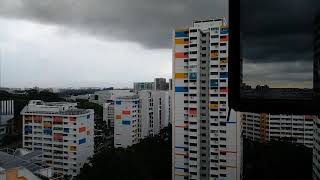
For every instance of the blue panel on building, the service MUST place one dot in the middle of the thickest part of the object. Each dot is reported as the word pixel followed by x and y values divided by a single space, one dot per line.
pixel 181 89
pixel 118 102
pixel 193 76
pixel 223 75
pixel 66 130
pixel 181 34
pixel 126 122
pixel 28 128
pixel 214 83
pixel 82 141
pixel 224 31
pixel 47 131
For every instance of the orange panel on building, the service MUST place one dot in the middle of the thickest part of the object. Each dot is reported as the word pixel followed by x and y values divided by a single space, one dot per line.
pixel 118 117
pixel 181 75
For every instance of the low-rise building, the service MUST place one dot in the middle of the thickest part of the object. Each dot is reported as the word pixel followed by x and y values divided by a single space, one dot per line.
pixel 61 131
pixel 266 127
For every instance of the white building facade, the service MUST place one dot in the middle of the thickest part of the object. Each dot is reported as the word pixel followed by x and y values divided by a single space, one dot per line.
pixel 139 116
pixel 63 133
pixel 155 111
pixel 264 127
pixel 206 133
pixel 127 126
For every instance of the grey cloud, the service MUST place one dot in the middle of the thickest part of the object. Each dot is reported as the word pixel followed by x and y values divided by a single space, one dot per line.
pixel 148 22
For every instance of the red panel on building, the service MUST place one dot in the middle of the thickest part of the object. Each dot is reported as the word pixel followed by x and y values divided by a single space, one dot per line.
pixel 181 55
pixel 82 129
pixel 73 119
pixel 57 137
pixel 37 119
pixel 193 111
pixel 126 112
pixel 57 119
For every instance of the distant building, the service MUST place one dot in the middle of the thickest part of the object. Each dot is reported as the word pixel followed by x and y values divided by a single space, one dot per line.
pixel 161 84
pixel 264 127
pixel 155 111
pixel 62 132
pixel 108 113
pixel 80 97
pixel 6 114
pixel 127 130
pixel 139 86
pixel 101 97
pixel 170 84
pixel 140 116
pixel 206 132
pixel 108 98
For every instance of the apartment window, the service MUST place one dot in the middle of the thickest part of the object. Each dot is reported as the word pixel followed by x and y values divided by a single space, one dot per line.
pixel 223 44
pixel 193 52
pixel 193 45
pixel 215 36
pixel 193 30
pixel 193 152
pixel 223 51
pixel 193 59
pixel 193 137
pixel 204 41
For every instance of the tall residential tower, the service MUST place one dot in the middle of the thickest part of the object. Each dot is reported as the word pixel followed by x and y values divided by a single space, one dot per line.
pixel 206 133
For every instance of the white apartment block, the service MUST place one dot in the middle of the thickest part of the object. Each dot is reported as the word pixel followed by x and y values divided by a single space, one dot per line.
pixel 266 127
pixel 155 111
pixel 101 97
pixel 139 116
pixel 63 133
pixel 127 126
pixel 206 133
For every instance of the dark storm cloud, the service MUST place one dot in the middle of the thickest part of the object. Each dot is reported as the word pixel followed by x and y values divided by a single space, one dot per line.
pixel 276 30
pixel 148 22
pixel 278 39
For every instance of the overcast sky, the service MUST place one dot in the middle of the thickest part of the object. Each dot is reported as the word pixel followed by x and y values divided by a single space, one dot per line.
pixel 93 42
pixel 81 43
pixel 278 41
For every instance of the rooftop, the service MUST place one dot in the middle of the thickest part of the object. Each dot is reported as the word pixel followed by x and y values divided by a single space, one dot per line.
pixel 60 108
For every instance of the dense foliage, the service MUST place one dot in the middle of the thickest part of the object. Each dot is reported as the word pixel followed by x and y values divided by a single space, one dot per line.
pixel 148 160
